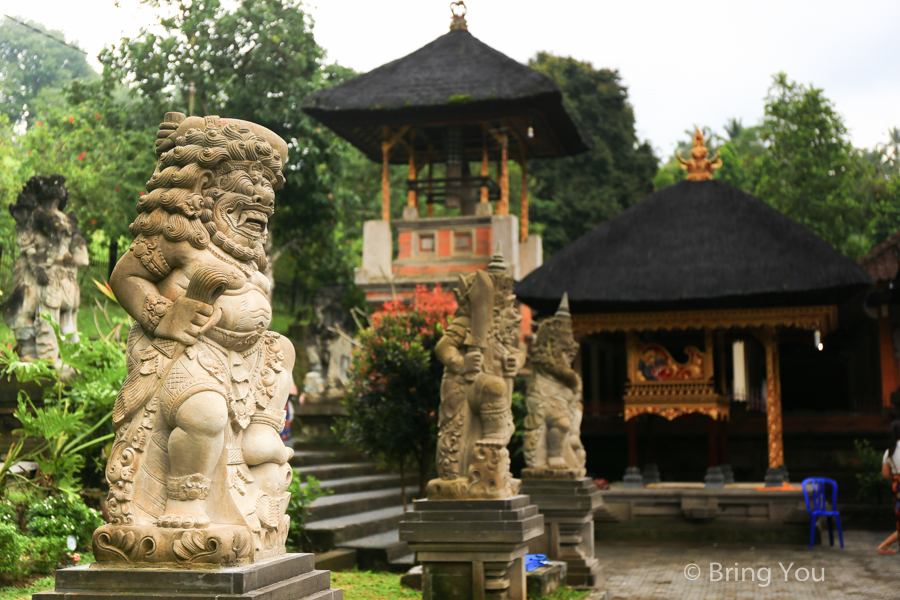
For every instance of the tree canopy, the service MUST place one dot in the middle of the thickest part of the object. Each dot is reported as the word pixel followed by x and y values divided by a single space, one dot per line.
pixel 573 195
pixel 34 68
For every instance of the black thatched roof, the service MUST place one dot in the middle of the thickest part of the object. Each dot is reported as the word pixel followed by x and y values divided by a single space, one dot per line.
pixel 690 246
pixel 454 79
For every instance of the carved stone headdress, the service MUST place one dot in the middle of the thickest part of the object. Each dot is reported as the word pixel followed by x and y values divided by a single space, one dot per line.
pixel 189 149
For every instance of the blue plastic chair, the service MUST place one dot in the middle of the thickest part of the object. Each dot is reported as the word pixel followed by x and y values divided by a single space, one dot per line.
pixel 819 506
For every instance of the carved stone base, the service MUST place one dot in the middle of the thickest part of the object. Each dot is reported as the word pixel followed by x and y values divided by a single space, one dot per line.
pixel 226 545
pixel 472 549
pixel 548 473
pixel 488 478
pixel 568 509
pixel 292 576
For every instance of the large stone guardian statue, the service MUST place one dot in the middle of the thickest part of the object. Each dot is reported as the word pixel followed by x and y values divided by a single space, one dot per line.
pixel 45 275
pixel 553 446
pixel 198 472
pixel 472 532
pixel 555 473
pixel 481 356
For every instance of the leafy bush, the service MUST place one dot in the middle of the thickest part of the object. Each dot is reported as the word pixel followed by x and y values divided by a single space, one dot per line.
pixel 302 495
pixel 58 516
pixel 871 484
pixel 70 430
pixel 395 380
pixel 11 548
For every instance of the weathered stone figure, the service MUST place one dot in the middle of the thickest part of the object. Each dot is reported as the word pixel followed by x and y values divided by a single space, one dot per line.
pixel 481 356
pixel 51 250
pixel 553 446
pixel 198 471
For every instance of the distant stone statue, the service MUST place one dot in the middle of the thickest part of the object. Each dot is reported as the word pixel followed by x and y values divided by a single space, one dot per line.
pixel 327 350
pixel 45 275
pixel 553 448
pixel 198 472
pixel 481 356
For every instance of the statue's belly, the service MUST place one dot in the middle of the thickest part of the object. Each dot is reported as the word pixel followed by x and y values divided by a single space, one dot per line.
pixel 246 315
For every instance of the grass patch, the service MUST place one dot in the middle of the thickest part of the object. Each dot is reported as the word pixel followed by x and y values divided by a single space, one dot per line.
pixel 42 584
pixel 360 585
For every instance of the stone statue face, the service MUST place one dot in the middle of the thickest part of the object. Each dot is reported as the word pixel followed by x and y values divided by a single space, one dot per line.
pixel 243 205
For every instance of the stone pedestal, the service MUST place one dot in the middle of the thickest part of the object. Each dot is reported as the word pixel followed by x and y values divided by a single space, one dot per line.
pixel 289 577
pixel 714 479
pixel 633 478
pixel 472 549
pixel 568 508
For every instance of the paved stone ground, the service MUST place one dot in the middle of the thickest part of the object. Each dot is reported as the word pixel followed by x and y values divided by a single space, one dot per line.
pixel 660 572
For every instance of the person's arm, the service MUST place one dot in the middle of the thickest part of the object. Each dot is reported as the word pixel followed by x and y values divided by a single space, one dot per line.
pixel 886 470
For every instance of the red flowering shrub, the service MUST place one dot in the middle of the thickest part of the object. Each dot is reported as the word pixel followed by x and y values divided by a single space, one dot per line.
pixel 394 393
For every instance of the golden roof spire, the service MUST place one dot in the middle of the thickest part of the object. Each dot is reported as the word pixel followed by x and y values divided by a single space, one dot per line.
pixel 459 10
pixel 699 167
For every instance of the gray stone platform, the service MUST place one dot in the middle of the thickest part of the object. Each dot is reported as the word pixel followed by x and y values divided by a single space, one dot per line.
pixel 568 507
pixel 675 514
pixel 290 577
pixel 472 549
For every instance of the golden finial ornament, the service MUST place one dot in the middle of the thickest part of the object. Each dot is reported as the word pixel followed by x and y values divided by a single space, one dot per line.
pixel 699 167
pixel 458 10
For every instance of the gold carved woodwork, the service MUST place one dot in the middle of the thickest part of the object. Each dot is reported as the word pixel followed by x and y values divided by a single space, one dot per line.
pixel 774 428
pixel 679 389
pixel 810 318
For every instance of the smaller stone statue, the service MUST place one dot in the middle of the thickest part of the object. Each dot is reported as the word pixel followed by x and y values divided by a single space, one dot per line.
pixel 481 356
pixel 553 447
pixel 51 250
pixel 328 348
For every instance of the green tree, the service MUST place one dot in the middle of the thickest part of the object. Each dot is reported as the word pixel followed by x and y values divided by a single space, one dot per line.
pixel 34 68
pixel 257 61
pixel 809 171
pixel 575 194
pixel 395 381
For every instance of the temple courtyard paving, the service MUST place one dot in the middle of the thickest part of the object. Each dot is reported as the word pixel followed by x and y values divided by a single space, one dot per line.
pixel 697 571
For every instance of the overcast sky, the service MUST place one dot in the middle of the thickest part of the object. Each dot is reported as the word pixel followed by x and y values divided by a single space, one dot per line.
pixel 684 63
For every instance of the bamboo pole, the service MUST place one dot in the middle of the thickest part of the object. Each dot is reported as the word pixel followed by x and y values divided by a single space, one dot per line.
pixel 385 182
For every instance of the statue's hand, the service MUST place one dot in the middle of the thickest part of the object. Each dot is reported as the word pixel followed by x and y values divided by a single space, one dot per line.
pixel 474 362
pixel 184 321
pixel 40 274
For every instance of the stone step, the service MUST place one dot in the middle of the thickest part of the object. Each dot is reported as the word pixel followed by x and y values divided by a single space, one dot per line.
pixel 361 484
pixel 339 559
pixel 337 471
pixel 339 505
pixel 309 458
pixel 331 533
pixel 382 552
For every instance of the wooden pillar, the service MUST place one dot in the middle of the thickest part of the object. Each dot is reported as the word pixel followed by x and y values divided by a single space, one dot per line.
pixel 774 431
pixel 890 372
pixel 385 181
pixel 430 183
pixel 632 442
pixel 713 431
pixel 484 167
pixel 724 456
pixel 412 198
pixel 503 208
pixel 650 453
pixel 524 218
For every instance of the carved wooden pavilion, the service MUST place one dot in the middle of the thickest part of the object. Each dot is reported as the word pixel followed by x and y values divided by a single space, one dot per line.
pixel 685 273
pixel 452 104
